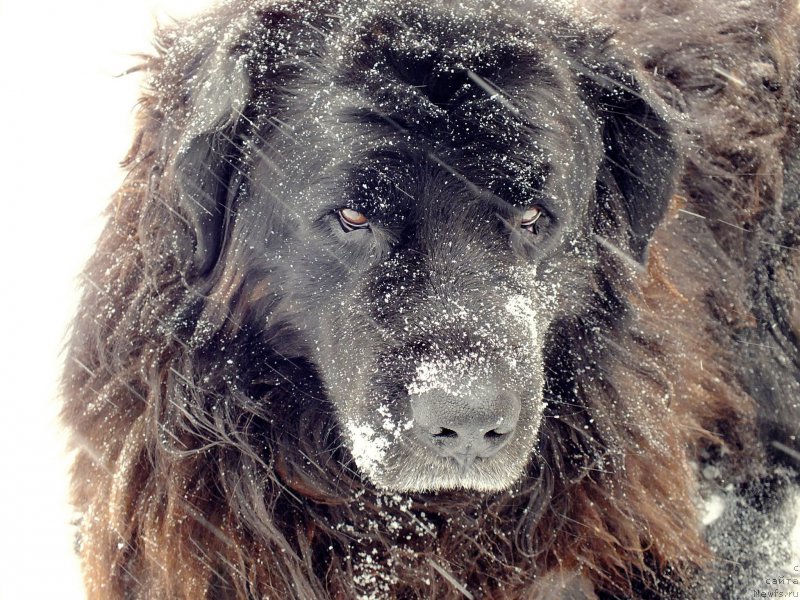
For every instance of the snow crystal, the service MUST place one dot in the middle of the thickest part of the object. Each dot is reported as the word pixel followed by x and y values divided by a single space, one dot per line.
pixel 522 310
pixel 390 425
pixel 368 448
pixel 452 375
pixel 714 507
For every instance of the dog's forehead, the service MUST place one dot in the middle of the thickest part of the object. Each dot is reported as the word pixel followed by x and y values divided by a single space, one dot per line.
pixel 453 127
pixel 420 90
pixel 441 77
pixel 480 95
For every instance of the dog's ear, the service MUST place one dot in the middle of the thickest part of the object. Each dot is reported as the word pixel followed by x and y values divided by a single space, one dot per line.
pixel 192 138
pixel 641 154
pixel 206 165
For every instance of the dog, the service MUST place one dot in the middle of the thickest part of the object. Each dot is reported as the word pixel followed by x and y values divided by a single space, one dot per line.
pixel 442 300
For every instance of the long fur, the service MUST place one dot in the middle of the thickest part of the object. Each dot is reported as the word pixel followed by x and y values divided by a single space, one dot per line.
pixel 211 462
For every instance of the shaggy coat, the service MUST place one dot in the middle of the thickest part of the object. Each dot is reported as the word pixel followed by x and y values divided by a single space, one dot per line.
pixel 218 435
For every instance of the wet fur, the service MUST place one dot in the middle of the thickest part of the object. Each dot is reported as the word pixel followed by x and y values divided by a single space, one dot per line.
pixel 211 461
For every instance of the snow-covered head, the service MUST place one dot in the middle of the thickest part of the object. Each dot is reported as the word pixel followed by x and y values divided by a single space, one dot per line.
pixel 407 199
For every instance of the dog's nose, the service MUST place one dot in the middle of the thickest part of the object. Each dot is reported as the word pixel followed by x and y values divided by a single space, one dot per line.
pixel 465 426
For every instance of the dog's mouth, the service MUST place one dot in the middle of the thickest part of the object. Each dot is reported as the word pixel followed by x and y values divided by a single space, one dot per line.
pixel 404 470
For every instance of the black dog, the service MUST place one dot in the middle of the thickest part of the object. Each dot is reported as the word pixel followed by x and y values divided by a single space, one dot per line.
pixel 377 312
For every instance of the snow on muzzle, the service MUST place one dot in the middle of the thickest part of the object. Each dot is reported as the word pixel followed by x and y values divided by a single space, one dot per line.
pixel 458 401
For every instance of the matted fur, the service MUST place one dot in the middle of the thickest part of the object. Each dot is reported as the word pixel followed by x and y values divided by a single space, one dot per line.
pixel 210 463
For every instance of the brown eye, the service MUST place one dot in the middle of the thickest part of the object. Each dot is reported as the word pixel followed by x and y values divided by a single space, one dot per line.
pixel 530 217
pixel 352 219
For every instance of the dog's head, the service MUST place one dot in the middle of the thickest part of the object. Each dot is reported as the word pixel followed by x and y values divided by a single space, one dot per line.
pixel 410 196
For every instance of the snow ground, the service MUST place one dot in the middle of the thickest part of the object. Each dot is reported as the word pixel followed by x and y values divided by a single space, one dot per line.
pixel 67 123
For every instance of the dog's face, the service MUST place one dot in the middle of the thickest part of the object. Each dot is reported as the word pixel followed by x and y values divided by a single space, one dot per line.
pixel 422 209
pixel 423 297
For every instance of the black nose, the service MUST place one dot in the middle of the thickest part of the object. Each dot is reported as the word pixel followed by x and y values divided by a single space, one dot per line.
pixel 475 423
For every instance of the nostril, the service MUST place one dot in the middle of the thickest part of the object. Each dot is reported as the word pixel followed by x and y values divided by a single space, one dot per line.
pixel 443 433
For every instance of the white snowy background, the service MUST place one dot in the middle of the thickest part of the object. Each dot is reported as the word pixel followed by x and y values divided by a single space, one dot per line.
pixel 65 123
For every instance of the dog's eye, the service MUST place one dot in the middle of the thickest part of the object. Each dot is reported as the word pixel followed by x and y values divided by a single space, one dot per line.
pixel 530 217
pixel 351 220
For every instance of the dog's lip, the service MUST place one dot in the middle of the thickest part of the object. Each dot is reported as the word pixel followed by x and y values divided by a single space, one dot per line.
pixel 465 461
pixel 468 475
pixel 464 464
